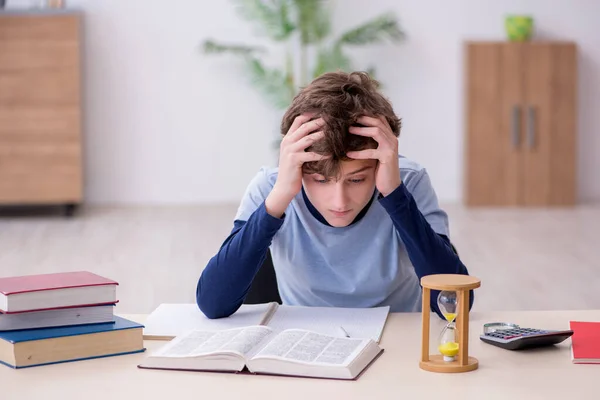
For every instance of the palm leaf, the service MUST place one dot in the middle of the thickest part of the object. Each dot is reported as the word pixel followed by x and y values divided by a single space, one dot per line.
pixel 272 16
pixel 331 59
pixel 273 83
pixel 371 71
pixel 376 30
pixel 211 47
pixel 289 73
pixel 313 20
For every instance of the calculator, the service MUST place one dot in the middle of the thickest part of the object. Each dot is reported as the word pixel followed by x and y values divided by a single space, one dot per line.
pixel 513 337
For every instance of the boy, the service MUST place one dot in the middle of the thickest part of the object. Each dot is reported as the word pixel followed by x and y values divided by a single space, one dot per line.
pixel 349 222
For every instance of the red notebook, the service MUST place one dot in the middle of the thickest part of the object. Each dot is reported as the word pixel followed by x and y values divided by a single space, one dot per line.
pixel 58 290
pixel 585 347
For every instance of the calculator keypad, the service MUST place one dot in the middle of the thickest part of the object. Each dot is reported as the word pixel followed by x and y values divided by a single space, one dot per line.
pixel 524 338
pixel 514 333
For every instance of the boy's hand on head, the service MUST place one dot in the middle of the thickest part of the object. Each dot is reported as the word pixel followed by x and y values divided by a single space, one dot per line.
pixel 388 173
pixel 292 155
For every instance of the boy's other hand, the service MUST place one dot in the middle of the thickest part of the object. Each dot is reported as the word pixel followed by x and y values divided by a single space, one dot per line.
pixel 387 178
pixel 292 156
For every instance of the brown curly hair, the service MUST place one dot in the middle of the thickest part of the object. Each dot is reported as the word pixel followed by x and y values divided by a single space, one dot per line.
pixel 340 98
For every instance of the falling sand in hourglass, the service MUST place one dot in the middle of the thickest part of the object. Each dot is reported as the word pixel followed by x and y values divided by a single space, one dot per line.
pixel 448 303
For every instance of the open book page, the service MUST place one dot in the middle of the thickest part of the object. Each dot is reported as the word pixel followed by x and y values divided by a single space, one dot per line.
pixel 241 341
pixel 362 323
pixel 310 347
pixel 171 320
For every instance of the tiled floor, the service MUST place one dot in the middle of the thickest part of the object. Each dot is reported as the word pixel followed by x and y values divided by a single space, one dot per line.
pixel 526 259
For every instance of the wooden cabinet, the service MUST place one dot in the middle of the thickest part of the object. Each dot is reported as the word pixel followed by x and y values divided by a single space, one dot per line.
pixel 521 124
pixel 40 109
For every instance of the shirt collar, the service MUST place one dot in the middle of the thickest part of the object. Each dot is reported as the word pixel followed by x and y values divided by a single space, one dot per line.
pixel 322 220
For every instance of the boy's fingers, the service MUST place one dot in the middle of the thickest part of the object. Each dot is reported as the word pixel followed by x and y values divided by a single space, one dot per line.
pixel 376 133
pixel 369 121
pixel 308 156
pixel 306 128
pixel 364 154
pixel 370 132
pixel 383 120
pixel 307 141
pixel 379 122
pixel 299 120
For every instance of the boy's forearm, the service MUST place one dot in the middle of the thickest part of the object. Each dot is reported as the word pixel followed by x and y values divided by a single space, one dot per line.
pixel 225 281
pixel 427 250
pixel 277 202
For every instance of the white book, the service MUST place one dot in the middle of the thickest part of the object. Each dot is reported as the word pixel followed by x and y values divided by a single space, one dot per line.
pixel 263 350
pixel 171 320
pixel 56 318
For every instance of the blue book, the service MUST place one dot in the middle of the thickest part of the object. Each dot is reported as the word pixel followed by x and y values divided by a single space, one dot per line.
pixel 26 348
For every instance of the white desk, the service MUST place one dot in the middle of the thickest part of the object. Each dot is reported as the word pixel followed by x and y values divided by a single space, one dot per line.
pixel 541 373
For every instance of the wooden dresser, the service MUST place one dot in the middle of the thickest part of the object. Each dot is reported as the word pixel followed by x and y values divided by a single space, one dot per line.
pixel 40 109
pixel 521 120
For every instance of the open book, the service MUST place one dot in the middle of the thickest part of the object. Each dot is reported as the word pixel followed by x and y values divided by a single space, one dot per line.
pixel 171 320
pixel 262 350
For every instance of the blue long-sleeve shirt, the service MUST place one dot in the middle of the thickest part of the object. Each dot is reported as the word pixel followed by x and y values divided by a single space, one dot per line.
pixel 228 276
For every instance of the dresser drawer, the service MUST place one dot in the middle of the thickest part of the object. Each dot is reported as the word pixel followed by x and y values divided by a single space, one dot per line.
pixel 26 124
pixel 39 27
pixel 16 56
pixel 31 87
pixel 40 172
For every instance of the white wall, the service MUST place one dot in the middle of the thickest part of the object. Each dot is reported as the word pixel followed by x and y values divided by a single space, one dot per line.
pixel 424 76
pixel 166 124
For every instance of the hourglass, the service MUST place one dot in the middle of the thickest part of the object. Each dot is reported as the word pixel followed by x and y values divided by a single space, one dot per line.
pixel 453 341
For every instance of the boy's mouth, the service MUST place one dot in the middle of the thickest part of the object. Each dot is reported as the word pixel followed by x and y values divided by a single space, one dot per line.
pixel 340 213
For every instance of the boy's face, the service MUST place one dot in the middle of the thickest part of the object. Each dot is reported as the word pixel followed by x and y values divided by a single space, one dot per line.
pixel 340 201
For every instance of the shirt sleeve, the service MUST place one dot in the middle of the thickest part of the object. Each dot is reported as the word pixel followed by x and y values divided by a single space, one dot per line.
pixel 225 281
pixel 422 226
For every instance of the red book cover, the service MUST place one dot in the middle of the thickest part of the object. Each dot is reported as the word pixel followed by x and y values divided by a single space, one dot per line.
pixel 585 341
pixel 64 280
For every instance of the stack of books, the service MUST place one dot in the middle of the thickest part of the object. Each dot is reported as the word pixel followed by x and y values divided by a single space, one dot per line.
pixel 60 317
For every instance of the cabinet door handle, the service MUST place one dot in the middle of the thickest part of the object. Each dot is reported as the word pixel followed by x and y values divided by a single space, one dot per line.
pixel 531 127
pixel 516 126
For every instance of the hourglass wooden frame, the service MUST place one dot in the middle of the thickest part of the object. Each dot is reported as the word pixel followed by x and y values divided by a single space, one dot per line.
pixel 461 284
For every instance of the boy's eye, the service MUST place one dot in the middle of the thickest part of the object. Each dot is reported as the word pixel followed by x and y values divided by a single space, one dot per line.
pixel 358 180
pixel 320 180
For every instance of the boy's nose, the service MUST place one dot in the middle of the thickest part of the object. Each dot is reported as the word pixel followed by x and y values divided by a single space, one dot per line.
pixel 340 198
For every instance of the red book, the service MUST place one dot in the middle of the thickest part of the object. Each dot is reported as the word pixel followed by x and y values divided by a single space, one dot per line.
pixel 585 342
pixel 52 291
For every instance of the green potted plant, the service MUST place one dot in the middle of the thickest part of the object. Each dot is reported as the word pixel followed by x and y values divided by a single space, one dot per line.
pixel 306 24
